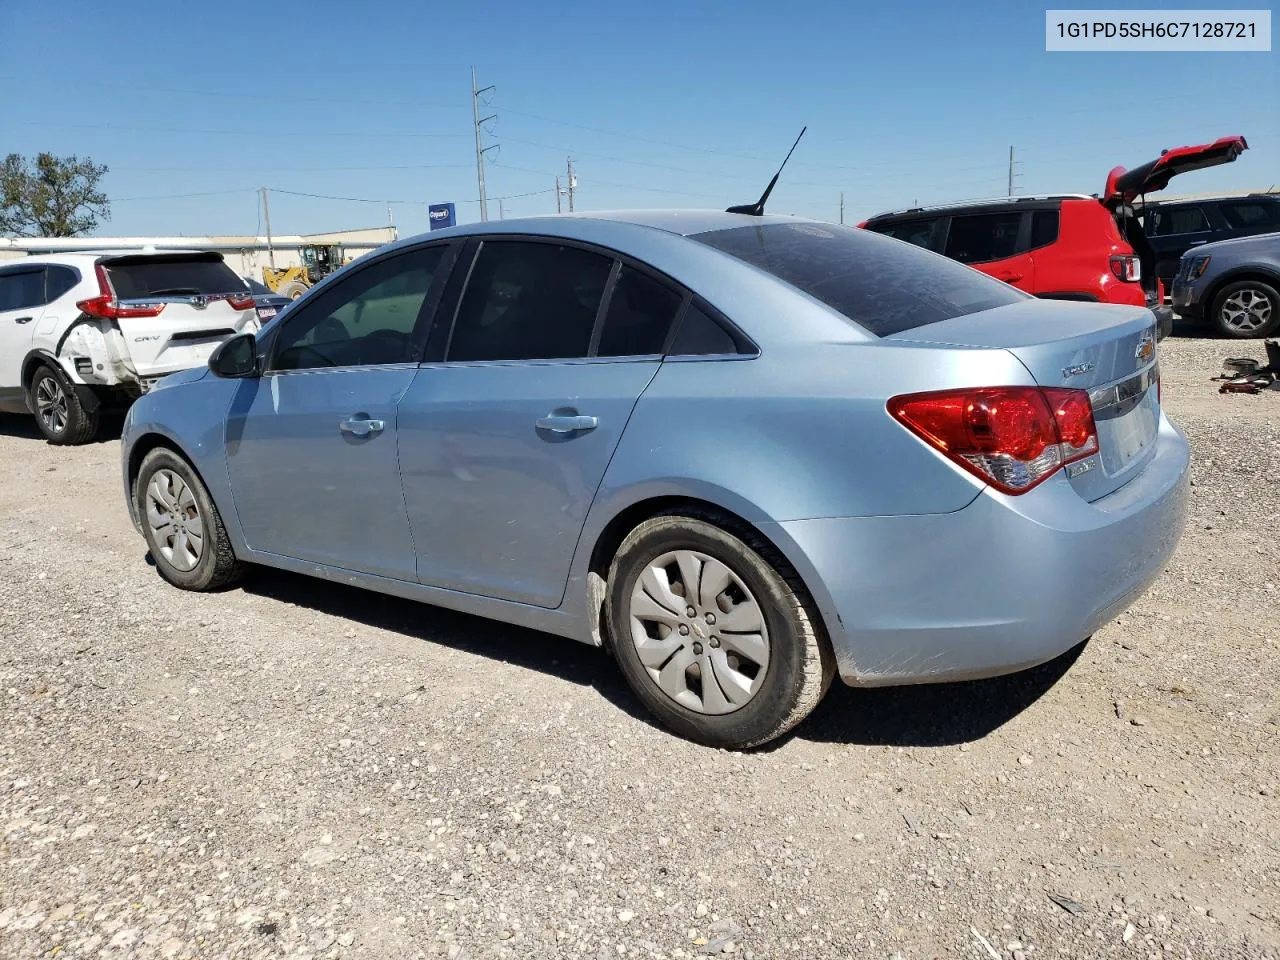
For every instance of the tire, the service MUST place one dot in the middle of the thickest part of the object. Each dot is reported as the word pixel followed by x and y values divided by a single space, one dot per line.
pixel 1247 309
pixel 750 703
pixel 59 413
pixel 293 289
pixel 173 504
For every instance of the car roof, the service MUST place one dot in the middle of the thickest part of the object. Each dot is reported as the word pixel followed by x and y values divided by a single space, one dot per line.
pixel 682 223
pixel 90 257
pixel 978 206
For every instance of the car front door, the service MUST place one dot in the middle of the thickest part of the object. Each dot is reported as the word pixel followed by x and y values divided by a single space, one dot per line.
pixel 311 445
pixel 21 303
pixel 503 443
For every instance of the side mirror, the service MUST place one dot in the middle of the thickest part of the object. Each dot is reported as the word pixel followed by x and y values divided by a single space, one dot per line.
pixel 236 358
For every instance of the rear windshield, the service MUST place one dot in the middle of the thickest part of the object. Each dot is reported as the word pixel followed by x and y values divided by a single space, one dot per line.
pixel 883 285
pixel 135 277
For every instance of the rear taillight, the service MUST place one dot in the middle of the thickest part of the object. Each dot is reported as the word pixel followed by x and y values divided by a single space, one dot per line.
pixel 240 303
pixel 1010 437
pixel 106 305
pixel 1127 268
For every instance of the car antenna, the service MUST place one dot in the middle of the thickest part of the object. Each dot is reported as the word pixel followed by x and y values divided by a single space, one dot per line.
pixel 757 209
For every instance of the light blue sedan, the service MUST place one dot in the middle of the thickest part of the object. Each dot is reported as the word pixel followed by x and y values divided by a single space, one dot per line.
pixel 746 453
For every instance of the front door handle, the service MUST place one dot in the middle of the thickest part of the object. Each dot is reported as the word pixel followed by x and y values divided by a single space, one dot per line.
pixel 361 428
pixel 23 319
pixel 1193 243
pixel 1009 277
pixel 567 424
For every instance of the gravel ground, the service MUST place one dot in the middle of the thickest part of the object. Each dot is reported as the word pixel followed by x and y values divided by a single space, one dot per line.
pixel 294 768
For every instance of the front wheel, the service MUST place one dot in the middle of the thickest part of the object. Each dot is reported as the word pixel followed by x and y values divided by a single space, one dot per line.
pixel 188 542
pixel 714 633
pixel 60 415
pixel 1247 309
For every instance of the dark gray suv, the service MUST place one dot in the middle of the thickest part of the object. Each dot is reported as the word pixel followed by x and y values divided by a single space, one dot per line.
pixel 1233 284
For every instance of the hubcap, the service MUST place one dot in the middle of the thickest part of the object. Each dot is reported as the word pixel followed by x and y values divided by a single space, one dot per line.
pixel 177 530
pixel 699 632
pixel 51 404
pixel 1247 310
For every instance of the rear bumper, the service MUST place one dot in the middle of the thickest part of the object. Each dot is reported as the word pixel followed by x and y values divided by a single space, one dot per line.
pixel 1164 321
pixel 1003 584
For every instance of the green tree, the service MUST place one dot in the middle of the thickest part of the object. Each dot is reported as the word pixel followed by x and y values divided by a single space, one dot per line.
pixel 51 196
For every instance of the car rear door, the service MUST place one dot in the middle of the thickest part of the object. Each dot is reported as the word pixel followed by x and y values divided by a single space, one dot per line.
pixel 311 445
pixel 22 299
pixel 997 243
pixel 505 439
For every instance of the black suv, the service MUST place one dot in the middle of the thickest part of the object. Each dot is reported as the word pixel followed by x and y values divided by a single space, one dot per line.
pixel 1175 226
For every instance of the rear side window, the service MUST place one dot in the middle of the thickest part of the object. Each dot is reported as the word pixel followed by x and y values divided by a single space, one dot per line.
pixel 883 287
pixel 1169 222
pixel 58 280
pixel 1044 228
pixel 529 301
pixel 918 232
pixel 1245 214
pixel 133 278
pixel 639 316
pixel 18 291
pixel 983 237
pixel 701 335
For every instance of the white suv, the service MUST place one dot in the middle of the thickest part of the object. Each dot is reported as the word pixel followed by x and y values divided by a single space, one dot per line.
pixel 80 332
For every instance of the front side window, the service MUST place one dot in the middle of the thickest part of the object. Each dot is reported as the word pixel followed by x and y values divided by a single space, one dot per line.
pixel 983 237
pixel 1251 214
pixel 529 300
pixel 18 291
pixel 367 318
pixel 881 286
pixel 639 317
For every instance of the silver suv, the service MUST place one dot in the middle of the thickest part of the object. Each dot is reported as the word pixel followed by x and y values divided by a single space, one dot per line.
pixel 80 332
pixel 1233 284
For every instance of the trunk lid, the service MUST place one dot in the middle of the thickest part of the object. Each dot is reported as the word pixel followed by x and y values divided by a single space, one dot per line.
pixel 1108 350
pixel 196 290
pixel 1124 186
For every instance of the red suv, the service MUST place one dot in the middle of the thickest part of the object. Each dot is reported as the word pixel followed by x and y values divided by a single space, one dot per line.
pixel 1066 247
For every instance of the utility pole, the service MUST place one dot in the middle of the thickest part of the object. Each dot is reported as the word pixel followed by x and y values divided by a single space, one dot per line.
pixel 841 206
pixel 573 184
pixel 557 194
pixel 501 216
pixel 1011 171
pixel 266 219
pixel 480 151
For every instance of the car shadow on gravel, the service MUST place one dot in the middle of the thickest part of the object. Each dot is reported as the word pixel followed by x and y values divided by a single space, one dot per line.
pixel 917 716
pixel 22 426
pixel 529 649
pixel 930 715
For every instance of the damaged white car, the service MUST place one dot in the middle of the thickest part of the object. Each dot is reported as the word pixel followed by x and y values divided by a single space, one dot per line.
pixel 84 332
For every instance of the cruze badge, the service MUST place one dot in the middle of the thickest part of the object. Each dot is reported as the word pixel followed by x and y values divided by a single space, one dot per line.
pixel 1146 346
pixel 1077 369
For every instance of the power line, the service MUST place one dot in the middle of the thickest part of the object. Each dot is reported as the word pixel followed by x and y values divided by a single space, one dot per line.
pixel 182 196
pixel 241 133
pixel 326 196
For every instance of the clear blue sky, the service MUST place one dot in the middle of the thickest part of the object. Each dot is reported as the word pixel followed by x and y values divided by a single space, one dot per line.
pixel 661 103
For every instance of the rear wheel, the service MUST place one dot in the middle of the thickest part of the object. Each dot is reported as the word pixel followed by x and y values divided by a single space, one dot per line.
pixel 60 415
pixel 1247 309
pixel 182 526
pixel 713 632
pixel 293 289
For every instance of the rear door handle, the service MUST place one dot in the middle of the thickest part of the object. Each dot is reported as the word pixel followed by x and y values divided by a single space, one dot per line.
pixel 23 319
pixel 361 428
pixel 1009 277
pixel 1193 243
pixel 566 424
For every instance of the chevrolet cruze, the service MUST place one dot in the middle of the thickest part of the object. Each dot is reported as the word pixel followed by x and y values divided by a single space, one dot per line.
pixel 746 453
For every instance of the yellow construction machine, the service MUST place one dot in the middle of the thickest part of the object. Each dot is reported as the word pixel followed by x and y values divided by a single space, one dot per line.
pixel 318 261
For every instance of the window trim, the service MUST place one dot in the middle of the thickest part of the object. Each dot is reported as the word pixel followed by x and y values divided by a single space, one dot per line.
pixel 452 306
pixel 430 305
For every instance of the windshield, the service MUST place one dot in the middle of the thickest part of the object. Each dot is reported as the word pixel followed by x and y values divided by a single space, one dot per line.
pixel 883 285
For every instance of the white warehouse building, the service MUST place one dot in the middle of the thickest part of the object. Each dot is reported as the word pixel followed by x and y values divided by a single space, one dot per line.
pixel 246 255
